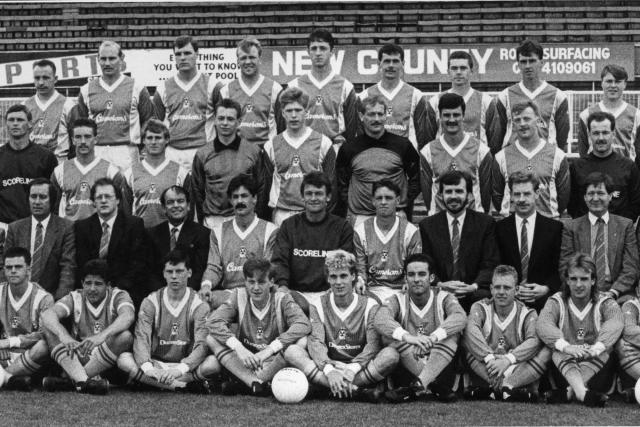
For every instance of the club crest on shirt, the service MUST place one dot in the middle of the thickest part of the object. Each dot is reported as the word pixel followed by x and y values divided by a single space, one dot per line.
pixel 502 344
pixel 109 104
pixel 580 334
pixel 454 166
pixel 259 333
pixel 243 252
pixel 385 255
pixel 84 186
pixel 318 99
pixel 152 188
pixel 248 107
pixel 15 322
pixel 421 329
pixel 389 111
pixel 41 122
pixel 186 103
pixel 97 328
pixel 342 334
pixel 174 328
pixel 295 161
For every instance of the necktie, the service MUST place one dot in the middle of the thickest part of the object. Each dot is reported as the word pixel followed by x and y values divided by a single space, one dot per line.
pixel 104 241
pixel 599 254
pixel 174 238
pixel 36 260
pixel 524 251
pixel 455 246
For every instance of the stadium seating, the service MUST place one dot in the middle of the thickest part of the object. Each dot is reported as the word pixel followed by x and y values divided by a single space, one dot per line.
pixel 219 24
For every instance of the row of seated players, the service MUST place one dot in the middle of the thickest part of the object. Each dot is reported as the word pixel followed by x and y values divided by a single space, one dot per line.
pixel 347 345
pixel 464 254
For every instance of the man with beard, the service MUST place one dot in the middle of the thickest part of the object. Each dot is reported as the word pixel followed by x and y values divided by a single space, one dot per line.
pixel 530 242
pixel 177 231
pixel 461 242
pixel 623 172
pixel 183 102
pixel 609 239
pixel 256 94
pixel 233 242
pixel 530 152
pixel 455 150
pixel 626 138
pixel 73 178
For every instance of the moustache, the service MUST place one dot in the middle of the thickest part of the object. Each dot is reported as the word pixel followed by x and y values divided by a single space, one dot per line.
pixel 241 206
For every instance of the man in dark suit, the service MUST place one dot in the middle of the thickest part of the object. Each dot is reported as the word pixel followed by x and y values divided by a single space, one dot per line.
pixel 530 242
pixel 49 238
pixel 178 231
pixel 608 238
pixel 461 242
pixel 115 236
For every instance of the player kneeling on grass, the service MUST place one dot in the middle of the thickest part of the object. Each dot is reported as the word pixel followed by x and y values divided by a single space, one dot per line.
pixel 23 349
pixel 628 349
pixel 501 344
pixel 100 319
pixel 169 349
pixel 423 324
pixel 344 350
pixel 268 322
pixel 581 326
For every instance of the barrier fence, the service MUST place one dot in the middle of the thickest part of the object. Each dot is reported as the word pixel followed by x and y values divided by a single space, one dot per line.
pixel 578 101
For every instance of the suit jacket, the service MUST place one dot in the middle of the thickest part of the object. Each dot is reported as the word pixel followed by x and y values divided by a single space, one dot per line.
pixel 126 254
pixel 193 237
pixel 544 255
pixel 622 250
pixel 478 253
pixel 59 253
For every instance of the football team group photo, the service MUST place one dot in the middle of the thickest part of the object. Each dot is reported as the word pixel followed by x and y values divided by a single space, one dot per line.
pixel 333 217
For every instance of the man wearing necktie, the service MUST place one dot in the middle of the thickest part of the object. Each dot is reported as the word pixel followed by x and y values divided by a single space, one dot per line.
pixel 461 242
pixel 530 242
pixel 116 237
pixel 609 239
pixel 49 238
pixel 177 231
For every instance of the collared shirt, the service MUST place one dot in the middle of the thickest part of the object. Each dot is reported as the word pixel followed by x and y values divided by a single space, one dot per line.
pixel 34 225
pixel 110 222
pixel 531 226
pixel 179 227
pixel 233 145
pixel 460 219
pixel 594 233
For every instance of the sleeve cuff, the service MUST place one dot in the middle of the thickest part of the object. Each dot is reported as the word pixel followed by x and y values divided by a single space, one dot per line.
pixel 206 283
pixel 489 357
pixel 183 368
pixel 398 333
pixel 275 346
pixel 14 342
pixel 439 334
pixel 599 347
pixel 511 358
pixel 615 293
pixel 328 368
pixel 561 344
pixel 146 367
pixel 354 367
pixel 233 343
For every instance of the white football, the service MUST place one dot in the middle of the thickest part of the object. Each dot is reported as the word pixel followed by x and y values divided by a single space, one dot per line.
pixel 637 391
pixel 290 385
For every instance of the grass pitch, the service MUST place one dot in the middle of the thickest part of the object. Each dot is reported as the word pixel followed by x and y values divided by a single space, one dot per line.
pixel 124 408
